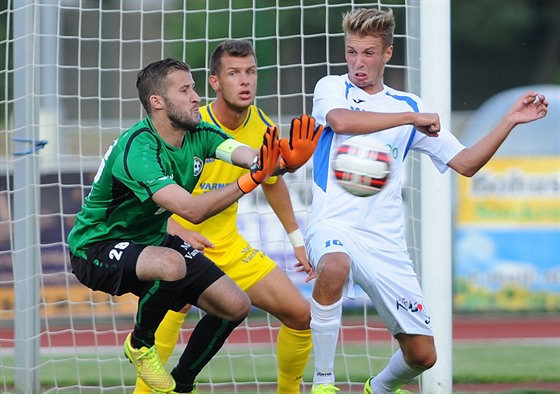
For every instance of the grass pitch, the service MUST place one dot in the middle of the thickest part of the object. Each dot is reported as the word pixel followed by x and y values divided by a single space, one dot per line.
pixel 473 362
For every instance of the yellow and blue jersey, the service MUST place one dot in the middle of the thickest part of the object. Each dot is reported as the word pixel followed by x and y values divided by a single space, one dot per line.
pixel 216 174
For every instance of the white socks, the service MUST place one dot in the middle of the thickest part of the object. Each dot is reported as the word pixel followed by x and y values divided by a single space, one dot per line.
pixel 325 327
pixel 395 375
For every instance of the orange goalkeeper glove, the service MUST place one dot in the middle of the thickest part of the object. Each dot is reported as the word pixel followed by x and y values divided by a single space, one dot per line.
pixel 265 162
pixel 304 137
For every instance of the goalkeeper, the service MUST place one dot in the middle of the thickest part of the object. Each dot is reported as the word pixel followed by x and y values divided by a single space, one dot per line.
pixel 119 243
pixel 233 75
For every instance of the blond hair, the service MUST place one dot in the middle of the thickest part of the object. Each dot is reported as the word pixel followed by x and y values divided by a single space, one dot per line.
pixel 370 22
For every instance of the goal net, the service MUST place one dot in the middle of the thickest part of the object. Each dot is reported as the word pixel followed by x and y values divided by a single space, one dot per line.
pixel 68 82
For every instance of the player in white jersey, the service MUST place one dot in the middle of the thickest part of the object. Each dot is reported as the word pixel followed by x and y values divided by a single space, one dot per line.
pixel 333 203
pixel 360 240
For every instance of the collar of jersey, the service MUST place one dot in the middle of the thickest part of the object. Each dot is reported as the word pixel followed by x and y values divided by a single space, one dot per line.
pixel 215 120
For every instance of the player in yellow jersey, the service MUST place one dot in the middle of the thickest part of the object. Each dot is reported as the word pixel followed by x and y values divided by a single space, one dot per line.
pixel 233 76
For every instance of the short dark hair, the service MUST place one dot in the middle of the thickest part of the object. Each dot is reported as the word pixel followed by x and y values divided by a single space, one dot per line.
pixel 236 48
pixel 152 79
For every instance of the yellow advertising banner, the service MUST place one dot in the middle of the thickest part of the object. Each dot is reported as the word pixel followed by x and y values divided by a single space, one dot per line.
pixel 512 191
pixel 72 300
pixel 507 237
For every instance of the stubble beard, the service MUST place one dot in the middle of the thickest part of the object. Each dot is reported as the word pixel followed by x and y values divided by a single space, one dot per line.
pixel 181 120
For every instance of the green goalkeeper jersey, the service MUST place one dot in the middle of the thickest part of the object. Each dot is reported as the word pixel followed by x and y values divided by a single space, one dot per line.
pixel 136 165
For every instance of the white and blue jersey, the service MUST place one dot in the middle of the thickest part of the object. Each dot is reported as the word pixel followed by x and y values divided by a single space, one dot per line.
pixel 377 220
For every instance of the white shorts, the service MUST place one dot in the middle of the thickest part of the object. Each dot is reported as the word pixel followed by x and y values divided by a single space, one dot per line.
pixel 388 278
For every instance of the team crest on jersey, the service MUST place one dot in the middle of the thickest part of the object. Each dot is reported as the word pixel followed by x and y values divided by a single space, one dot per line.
pixel 198 165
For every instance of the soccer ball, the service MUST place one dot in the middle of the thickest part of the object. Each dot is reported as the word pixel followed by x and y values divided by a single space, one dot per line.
pixel 362 165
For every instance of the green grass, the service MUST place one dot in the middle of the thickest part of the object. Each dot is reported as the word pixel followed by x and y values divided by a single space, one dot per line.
pixel 503 362
pixel 473 362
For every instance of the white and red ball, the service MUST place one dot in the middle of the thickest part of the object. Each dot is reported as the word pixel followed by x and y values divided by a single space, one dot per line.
pixel 362 165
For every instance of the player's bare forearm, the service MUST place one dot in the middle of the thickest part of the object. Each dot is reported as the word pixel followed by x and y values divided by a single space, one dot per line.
pixel 471 159
pixel 345 121
pixel 243 156
pixel 278 198
pixel 197 209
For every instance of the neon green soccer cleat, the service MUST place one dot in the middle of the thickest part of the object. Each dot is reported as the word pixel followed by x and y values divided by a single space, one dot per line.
pixel 324 389
pixel 367 387
pixel 149 367
pixel 369 390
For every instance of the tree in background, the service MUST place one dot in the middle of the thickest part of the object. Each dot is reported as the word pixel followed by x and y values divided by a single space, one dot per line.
pixel 500 44
pixel 496 44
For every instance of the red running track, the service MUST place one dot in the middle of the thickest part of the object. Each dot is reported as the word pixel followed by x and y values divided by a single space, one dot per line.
pixel 464 328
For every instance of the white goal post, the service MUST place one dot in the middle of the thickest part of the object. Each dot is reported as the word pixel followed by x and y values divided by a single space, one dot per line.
pixel 68 82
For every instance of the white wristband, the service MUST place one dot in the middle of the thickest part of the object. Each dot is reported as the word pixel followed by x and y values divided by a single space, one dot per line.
pixel 296 238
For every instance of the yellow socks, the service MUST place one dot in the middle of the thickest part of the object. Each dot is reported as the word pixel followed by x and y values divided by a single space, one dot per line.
pixel 167 336
pixel 293 348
